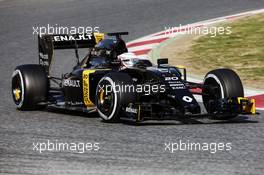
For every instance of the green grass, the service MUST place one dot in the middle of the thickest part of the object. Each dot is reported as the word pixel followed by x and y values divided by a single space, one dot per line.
pixel 242 50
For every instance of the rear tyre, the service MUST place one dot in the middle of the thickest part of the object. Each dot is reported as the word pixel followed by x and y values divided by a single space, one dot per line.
pixel 29 86
pixel 111 99
pixel 218 84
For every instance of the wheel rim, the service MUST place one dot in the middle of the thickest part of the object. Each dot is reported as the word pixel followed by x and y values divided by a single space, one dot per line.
pixel 17 88
pixel 106 101
pixel 17 94
pixel 212 91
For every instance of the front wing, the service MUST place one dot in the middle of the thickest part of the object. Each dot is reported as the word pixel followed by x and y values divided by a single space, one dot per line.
pixel 155 111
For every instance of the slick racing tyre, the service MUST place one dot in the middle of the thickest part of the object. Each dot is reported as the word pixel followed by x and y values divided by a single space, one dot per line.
pixel 29 86
pixel 111 99
pixel 218 84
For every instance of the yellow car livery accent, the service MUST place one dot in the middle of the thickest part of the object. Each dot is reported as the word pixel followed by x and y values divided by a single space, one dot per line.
pixel 247 108
pixel 98 37
pixel 86 88
pixel 253 108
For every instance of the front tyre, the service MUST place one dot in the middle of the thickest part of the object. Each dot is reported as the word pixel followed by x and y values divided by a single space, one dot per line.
pixel 111 98
pixel 219 84
pixel 29 86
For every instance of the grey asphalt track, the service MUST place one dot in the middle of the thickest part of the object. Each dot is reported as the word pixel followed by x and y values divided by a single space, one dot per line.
pixel 124 148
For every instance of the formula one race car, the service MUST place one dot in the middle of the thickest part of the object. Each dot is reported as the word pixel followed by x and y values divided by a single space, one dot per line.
pixel 136 93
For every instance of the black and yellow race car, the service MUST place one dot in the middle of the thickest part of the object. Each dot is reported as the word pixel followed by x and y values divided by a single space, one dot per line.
pixel 143 92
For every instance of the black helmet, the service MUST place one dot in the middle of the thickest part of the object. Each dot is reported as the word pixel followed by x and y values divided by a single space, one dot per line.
pixel 111 47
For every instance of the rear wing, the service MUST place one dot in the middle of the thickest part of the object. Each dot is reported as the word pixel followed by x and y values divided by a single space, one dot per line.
pixel 117 34
pixel 48 43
